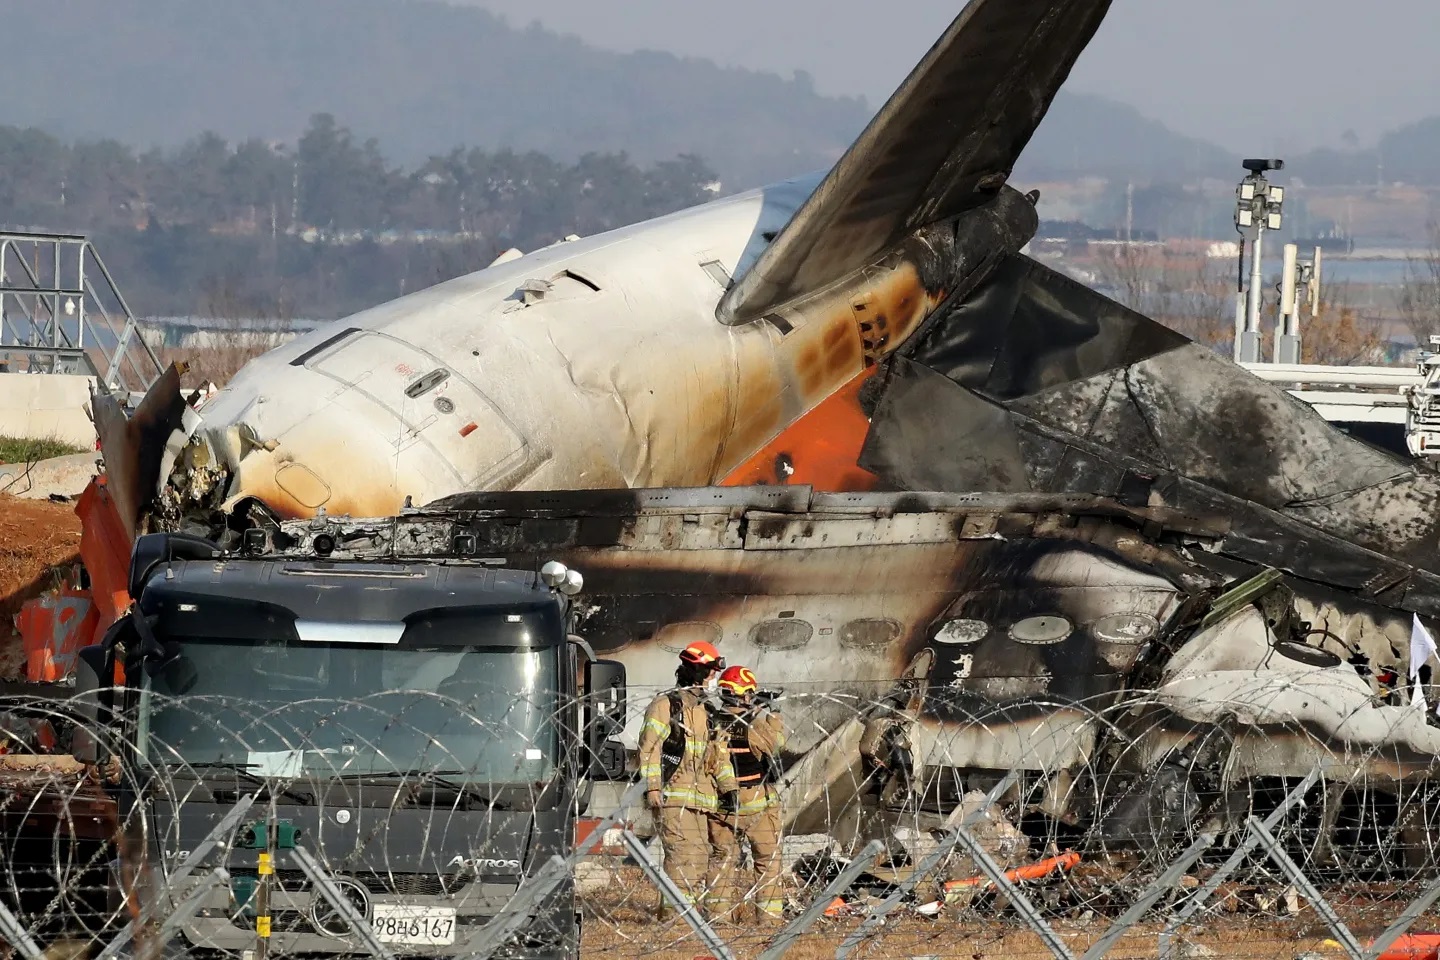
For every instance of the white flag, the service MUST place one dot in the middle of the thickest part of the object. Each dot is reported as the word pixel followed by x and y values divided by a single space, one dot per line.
pixel 1422 648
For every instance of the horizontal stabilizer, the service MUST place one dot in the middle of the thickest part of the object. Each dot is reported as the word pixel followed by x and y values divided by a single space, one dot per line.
pixel 946 142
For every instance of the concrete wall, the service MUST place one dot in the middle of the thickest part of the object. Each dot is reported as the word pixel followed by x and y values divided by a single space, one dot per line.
pixel 46 405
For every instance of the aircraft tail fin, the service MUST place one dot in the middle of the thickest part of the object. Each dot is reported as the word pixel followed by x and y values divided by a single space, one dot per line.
pixel 944 143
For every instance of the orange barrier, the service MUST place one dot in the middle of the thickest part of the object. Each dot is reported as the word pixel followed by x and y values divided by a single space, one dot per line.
pixel 55 627
pixel 1413 946
pixel 105 551
pixel 1033 871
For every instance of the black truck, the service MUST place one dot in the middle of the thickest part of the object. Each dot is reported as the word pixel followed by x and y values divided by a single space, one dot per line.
pixel 426 732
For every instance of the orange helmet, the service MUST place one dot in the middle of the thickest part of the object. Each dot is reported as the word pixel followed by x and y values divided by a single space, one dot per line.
pixel 702 654
pixel 739 681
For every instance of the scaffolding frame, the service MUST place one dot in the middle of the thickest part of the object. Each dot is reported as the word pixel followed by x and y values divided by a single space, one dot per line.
pixel 61 312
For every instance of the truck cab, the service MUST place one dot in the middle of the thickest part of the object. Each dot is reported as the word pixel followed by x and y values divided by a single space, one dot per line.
pixel 427 732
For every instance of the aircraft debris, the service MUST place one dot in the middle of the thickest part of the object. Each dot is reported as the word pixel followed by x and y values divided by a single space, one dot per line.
pixel 1144 578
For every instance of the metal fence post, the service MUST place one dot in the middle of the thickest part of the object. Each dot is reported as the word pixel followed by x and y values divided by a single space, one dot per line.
pixel 330 892
pixel 1402 923
pixel 1242 850
pixel 878 915
pixel 17 936
pixel 1018 900
pixel 227 825
pixel 518 911
pixel 797 927
pixel 672 893
pixel 1146 900
pixel 186 908
pixel 630 798
pixel 1297 877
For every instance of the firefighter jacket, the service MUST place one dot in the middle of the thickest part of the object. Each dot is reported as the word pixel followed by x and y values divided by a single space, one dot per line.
pixel 682 754
pixel 755 739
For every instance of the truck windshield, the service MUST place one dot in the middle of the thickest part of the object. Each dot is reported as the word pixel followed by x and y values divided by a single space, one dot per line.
pixel 292 709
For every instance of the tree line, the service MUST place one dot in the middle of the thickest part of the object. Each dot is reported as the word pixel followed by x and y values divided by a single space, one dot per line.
pixel 322 227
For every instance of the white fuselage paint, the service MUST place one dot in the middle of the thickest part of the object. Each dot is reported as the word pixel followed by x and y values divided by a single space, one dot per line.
pixel 634 384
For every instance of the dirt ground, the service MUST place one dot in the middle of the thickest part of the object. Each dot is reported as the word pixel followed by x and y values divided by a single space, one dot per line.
pixel 966 938
pixel 38 542
pixel 621 922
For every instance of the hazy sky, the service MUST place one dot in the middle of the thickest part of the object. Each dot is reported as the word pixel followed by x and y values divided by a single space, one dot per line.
pixel 1326 66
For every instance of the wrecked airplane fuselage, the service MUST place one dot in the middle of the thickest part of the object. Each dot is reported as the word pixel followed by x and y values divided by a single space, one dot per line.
pixel 1100 649
pixel 1103 480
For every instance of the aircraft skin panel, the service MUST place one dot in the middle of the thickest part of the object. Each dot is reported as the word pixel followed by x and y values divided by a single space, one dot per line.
pixel 821 450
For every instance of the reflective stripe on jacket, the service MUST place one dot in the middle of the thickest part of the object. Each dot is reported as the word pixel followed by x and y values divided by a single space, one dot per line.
pixel 700 758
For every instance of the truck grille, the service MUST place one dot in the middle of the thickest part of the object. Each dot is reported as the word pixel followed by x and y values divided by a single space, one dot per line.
pixel 395 884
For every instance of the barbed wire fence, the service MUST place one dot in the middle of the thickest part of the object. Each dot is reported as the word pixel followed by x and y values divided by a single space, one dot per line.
pixel 414 822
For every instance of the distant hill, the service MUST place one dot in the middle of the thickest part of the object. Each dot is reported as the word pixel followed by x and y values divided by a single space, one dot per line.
pixel 1088 135
pixel 1408 154
pixel 422 76
pixel 418 75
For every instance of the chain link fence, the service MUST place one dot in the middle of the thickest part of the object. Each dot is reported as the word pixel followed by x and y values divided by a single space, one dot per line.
pixel 444 823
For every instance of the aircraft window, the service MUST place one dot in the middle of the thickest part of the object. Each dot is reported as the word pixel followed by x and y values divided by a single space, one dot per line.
pixel 1129 628
pixel 1041 631
pixel 717 272
pixel 675 637
pixel 781 634
pixel 423 385
pixel 869 634
pixel 961 632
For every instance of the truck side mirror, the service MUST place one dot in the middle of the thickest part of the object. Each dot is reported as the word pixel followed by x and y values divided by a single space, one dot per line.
pixel 605 718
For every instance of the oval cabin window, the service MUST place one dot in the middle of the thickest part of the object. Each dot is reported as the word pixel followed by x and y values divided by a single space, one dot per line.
pixel 781 634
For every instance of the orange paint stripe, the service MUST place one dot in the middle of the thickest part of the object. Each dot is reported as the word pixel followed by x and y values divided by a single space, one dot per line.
pixel 821 449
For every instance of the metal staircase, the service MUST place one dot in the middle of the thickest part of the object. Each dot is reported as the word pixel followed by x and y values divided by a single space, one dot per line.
pixel 60 312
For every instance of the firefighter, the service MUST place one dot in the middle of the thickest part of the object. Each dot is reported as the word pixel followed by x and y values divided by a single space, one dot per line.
pixel 686 769
pixel 754 735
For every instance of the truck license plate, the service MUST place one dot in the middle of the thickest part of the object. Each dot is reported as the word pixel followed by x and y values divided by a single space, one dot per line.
pixel 426 926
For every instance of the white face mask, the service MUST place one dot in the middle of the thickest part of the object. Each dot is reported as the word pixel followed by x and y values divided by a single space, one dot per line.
pixel 712 682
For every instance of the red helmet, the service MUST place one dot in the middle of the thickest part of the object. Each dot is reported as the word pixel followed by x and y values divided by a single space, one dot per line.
pixel 739 681
pixel 702 654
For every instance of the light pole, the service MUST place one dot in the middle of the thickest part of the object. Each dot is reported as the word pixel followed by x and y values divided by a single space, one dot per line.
pixel 1257 209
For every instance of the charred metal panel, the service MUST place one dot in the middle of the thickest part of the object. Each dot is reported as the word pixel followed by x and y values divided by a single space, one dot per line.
pixel 1098 399
pixel 1221 426
pixel 976 450
pixel 134 449
pixel 1029 328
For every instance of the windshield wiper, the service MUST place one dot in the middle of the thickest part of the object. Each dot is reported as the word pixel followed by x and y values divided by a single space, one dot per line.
pixel 242 770
pixel 441 778
pixel 466 791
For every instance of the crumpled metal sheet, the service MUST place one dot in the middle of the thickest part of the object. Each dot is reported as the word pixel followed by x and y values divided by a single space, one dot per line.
pixel 1038 384
pixel 1029 329
pixel 944 143
pixel 134 449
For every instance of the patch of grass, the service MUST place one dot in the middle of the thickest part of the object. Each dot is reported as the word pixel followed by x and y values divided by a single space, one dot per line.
pixel 31 449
